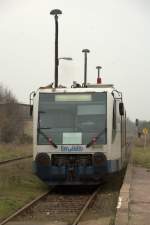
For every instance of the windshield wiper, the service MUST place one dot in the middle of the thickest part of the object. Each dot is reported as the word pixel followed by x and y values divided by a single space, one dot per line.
pixel 98 136
pixel 47 138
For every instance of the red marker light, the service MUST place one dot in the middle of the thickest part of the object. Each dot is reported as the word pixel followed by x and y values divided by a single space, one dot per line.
pixel 50 140
pixel 94 140
pixel 99 80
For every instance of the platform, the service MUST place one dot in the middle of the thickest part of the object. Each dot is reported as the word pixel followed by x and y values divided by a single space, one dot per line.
pixel 134 200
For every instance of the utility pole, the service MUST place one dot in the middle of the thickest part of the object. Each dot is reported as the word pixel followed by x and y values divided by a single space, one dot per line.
pixel 55 13
pixel 85 51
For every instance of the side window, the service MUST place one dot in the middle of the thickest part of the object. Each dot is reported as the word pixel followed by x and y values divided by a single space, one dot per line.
pixel 114 121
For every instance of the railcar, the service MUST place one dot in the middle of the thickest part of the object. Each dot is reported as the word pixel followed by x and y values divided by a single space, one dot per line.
pixel 79 134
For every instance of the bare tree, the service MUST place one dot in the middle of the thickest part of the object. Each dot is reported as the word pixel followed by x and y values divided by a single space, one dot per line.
pixel 11 116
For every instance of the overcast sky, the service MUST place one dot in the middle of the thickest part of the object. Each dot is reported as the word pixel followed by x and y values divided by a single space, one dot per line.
pixel 117 32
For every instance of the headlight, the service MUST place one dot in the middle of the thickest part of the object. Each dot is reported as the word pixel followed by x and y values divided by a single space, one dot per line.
pixel 42 159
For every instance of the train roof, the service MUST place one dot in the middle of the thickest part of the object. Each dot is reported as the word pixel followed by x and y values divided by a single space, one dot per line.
pixel 89 88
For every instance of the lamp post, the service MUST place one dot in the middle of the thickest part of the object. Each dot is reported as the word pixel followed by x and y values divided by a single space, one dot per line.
pixel 55 13
pixel 98 77
pixel 85 51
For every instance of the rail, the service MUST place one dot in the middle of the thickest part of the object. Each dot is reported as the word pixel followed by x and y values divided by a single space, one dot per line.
pixel 14 159
pixel 91 198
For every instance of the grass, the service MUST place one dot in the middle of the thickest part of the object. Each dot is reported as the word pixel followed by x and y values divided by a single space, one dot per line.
pixel 18 186
pixel 9 151
pixel 141 156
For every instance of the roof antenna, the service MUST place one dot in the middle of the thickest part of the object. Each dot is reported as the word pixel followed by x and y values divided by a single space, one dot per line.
pixel 99 80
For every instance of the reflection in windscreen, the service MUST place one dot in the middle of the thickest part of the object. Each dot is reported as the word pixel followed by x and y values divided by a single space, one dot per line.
pixel 85 117
pixel 88 110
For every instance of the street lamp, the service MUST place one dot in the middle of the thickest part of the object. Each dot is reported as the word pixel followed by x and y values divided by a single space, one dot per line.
pixel 85 51
pixel 98 77
pixel 55 13
pixel 64 58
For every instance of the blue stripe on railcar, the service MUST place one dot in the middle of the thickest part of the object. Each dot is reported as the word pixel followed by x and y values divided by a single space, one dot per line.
pixel 54 174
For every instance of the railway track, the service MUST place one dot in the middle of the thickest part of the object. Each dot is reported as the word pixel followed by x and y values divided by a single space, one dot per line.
pixel 14 159
pixel 66 206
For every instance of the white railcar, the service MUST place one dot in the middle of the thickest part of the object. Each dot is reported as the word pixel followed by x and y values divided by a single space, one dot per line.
pixel 79 134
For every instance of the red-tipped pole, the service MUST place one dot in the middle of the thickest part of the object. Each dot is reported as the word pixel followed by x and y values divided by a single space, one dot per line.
pixel 99 80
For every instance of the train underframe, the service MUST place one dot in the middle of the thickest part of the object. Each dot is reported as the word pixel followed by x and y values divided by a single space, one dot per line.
pixel 74 169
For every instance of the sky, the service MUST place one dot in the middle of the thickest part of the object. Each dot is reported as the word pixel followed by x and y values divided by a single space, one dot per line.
pixel 117 33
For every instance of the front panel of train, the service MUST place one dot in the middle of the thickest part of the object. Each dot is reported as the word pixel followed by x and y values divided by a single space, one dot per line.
pixel 69 125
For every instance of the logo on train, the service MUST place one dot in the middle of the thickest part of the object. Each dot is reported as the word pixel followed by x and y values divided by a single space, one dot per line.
pixel 74 148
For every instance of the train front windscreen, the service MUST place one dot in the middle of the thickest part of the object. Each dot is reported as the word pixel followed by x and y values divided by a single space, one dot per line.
pixel 72 118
